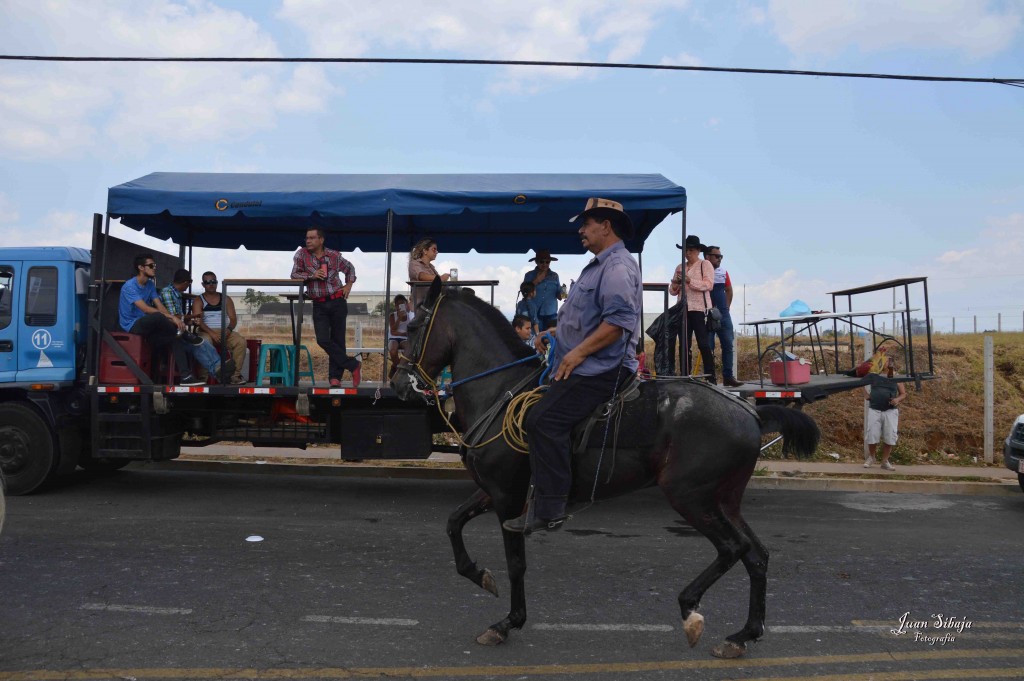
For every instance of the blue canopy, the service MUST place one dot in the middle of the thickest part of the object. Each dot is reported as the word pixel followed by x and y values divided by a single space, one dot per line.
pixel 488 213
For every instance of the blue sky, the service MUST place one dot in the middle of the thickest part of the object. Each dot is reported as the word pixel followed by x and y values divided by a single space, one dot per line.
pixel 808 184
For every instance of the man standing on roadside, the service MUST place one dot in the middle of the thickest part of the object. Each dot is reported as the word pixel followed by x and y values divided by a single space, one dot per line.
pixel 597 331
pixel 320 268
pixel 721 298
pixel 884 395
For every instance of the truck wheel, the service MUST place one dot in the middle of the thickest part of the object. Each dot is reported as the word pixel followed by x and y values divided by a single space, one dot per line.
pixel 26 448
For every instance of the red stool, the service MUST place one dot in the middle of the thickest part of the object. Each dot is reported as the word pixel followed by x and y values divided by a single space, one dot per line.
pixel 113 369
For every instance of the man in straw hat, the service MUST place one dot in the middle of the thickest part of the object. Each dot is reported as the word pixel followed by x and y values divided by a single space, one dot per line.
pixel 596 333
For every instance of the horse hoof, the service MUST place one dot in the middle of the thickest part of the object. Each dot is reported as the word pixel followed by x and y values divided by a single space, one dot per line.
pixel 693 627
pixel 490 638
pixel 488 584
pixel 729 650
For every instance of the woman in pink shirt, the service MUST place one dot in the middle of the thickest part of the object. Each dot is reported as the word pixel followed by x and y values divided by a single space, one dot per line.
pixel 699 280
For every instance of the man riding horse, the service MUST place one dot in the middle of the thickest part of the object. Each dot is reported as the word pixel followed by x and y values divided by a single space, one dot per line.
pixel 594 351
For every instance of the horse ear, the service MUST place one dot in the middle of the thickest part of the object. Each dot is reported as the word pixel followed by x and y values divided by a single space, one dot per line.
pixel 434 292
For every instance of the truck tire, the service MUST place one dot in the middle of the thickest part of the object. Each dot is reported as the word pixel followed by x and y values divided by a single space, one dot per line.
pixel 26 448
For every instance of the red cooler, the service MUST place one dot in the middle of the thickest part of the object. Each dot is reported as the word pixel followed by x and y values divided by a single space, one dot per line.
pixel 795 371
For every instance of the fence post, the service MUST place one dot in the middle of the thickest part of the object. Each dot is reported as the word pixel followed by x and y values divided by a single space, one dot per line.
pixel 999 322
pixel 869 350
pixel 954 325
pixel 975 323
pixel 989 384
pixel 359 335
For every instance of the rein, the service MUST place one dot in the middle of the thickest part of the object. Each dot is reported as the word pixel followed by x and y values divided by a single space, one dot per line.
pixel 434 393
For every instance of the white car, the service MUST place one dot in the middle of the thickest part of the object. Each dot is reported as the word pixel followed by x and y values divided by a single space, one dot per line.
pixel 1013 450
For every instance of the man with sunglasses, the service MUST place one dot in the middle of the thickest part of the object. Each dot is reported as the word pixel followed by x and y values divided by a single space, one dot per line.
pixel 721 297
pixel 211 310
pixel 140 311
pixel 195 346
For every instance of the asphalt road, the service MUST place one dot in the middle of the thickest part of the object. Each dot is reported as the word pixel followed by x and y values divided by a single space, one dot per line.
pixel 149 575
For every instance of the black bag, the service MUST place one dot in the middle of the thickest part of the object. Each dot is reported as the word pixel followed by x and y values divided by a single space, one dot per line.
pixel 712 315
pixel 673 317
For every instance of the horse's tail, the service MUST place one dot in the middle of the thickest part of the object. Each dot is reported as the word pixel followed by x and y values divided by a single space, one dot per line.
pixel 800 434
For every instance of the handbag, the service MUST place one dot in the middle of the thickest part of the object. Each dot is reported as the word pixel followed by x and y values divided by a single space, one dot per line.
pixel 713 318
pixel 712 315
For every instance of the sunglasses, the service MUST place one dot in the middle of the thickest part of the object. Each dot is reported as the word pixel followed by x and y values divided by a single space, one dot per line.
pixel 543 262
pixel 716 255
pixel 209 282
pixel 150 265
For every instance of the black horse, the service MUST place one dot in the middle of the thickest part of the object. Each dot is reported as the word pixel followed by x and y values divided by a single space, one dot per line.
pixel 697 443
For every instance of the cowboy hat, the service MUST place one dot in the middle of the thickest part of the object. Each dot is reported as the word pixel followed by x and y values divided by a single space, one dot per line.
pixel 543 254
pixel 606 209
pixel 692 241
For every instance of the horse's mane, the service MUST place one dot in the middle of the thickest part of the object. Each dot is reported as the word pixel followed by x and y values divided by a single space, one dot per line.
pixel 491 314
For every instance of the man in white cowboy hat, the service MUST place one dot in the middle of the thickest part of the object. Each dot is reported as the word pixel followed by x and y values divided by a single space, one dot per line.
pixel 596 332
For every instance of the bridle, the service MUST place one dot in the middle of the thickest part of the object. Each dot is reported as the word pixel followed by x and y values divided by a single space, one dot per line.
pixel 412 365
pixel 423 383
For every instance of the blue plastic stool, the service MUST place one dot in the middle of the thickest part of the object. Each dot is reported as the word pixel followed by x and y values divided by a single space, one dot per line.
pixel 280 372
pixel 309 361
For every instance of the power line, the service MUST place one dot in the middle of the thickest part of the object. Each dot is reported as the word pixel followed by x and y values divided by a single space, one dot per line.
pixel 1015 82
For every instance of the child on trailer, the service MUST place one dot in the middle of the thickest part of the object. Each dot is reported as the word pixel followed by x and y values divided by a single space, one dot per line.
pixel 527 307
pixel 523 328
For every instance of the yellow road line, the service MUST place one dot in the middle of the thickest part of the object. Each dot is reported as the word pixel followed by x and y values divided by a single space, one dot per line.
pixel 921 675
pixel 220 673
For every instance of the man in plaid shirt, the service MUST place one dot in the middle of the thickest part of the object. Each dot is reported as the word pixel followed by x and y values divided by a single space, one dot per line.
pixel 320 268
pixel 204 352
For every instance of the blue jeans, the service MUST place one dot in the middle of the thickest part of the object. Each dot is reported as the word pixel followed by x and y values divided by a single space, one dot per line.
pixel 725 335
pixel 205 354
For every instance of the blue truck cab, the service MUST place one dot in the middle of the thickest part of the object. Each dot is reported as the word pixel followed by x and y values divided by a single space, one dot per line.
pixel 43 336
pixel 43 311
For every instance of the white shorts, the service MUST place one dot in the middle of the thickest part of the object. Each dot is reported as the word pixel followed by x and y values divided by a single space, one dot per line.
pixel 882 425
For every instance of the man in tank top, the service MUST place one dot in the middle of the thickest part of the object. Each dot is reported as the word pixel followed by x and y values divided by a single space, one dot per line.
pixel 209 314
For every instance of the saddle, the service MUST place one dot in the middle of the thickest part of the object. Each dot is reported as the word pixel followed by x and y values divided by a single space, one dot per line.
pixel 581 434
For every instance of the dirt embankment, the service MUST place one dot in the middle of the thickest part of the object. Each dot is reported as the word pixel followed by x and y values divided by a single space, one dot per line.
pixel 944 422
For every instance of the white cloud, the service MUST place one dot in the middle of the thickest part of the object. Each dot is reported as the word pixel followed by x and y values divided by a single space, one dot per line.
pixel 532 30
pixel 8 211
pixel 56 228
pixel 682 59
pixel 308 90
pixel 775 295
pixel 956 256
pixel 67 109
pixel 975 28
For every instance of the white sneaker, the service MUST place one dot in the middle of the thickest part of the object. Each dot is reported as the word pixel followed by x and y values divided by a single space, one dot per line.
pixel 888 466
pixel 869 462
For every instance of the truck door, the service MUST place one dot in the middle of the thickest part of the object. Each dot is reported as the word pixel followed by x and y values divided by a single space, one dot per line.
pixel 8 321
pixel 45 343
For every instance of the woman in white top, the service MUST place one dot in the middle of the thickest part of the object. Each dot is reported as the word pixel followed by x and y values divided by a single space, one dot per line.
pixel 398 329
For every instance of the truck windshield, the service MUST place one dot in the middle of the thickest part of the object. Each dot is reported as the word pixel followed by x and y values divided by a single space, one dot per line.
pixel 6 284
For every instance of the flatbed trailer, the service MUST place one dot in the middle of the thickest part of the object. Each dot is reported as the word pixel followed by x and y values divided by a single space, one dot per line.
pixel 57 412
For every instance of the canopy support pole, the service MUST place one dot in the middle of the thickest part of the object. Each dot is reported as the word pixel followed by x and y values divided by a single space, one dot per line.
pixel 387 296
pixel 684 340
